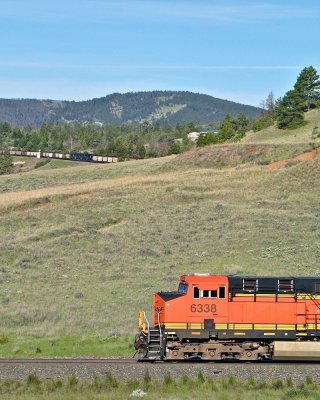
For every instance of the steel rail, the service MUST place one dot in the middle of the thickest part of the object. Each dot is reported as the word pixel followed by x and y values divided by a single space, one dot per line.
pixel 79 360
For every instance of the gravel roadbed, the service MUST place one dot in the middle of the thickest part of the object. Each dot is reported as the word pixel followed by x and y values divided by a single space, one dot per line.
pixel 136 370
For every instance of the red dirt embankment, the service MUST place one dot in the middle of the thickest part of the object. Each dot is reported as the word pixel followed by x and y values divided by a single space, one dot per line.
pixel 300 157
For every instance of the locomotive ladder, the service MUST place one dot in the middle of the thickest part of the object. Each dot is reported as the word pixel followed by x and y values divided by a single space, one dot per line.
pixel 154 345
pixel 155 337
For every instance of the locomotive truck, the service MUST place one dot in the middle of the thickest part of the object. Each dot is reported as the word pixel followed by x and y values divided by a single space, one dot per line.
pixel 217 317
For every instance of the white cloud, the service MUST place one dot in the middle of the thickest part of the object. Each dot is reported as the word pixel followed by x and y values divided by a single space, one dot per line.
pixel 21 64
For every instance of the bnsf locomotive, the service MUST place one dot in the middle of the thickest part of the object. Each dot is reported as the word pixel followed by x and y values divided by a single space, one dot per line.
pixel 215 317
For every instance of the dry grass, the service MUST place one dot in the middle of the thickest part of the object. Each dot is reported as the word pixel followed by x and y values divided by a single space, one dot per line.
pixel 237 154
pixel 31 198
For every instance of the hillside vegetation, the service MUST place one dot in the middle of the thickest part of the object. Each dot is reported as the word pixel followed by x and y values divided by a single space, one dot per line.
pixel 163 107
pixel 274 135
pixel 83 247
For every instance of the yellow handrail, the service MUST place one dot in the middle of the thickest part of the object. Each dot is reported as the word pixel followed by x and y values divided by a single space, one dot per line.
pixel 142 324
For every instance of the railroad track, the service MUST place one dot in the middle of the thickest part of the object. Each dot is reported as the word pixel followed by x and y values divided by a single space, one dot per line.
pixel 131 360
pixel 128 368
pixel 82 360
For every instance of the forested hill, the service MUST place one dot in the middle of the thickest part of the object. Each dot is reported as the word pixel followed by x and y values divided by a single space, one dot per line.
pixel 170 107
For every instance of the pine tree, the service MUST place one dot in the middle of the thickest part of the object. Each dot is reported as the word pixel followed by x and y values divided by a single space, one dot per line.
pixel 227 128
pixel 5 164
pixel 308 86
pixel 289 110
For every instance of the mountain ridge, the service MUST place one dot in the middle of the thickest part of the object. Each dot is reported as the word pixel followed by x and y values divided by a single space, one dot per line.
pixel 163 107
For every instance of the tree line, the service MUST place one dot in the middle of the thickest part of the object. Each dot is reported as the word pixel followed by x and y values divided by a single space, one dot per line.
pixel 288 111
pixel 155 140
pixel 125 141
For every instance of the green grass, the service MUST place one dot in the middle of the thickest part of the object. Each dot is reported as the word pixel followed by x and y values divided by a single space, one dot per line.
pixel 102 387
pixel 273 135
pixel 36 346
pixel 82 248
pixel 44 163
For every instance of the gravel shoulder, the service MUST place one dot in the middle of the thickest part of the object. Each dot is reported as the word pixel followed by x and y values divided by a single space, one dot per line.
pixel 127 369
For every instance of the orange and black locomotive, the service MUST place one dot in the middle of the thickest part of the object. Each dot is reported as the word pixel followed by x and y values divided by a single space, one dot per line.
pixel 215 317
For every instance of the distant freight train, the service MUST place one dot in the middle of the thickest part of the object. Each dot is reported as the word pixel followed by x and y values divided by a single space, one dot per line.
pixel 215 317
pixel 65 156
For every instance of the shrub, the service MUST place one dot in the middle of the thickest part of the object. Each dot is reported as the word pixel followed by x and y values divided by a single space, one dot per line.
pixel 146 379
pixel 200 377
pixel 232 380
pixel 133 384
pixel 110 381
pixel 33 380
pixel 252 382
pixel 72 381
pixel 263 122
pixel 277 384
pixel 316 132
pixel 289 382
pixel 309 380
pixel 167 379
pixel 4 339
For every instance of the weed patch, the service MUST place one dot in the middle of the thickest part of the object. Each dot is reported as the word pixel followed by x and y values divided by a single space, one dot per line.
pixel 34 388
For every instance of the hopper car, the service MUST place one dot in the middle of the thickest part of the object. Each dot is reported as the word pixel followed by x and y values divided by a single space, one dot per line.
pixel 217 317
pixel 64 156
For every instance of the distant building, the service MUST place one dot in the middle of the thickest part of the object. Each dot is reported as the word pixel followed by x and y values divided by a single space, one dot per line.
pixel 207 131
pixel 193 136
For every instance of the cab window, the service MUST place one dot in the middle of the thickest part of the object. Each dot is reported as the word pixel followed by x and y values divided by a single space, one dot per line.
pixel 212 294
pixel 222 292
pixel 209 294
pixel 183 288
pixel 196 292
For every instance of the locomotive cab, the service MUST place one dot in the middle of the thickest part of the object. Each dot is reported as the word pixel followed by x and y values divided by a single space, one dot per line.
pixel 200 300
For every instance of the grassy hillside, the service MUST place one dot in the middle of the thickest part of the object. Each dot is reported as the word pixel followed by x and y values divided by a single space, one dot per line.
pixel 82 248
pixel 275 136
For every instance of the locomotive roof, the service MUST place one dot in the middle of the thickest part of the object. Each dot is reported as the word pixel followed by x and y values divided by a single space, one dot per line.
pixel 272 277
pixel 253 276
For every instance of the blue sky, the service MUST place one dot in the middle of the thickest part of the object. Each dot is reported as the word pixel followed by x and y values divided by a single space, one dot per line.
pixel 81 49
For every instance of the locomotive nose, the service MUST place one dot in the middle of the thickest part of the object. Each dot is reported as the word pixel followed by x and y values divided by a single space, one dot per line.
pixel 158 310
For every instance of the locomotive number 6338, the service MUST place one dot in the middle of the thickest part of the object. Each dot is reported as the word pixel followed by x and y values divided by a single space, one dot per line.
pixel 203 308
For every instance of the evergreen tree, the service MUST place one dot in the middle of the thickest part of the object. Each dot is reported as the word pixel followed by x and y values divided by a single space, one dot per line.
pixel 308 86
pixel 5 164
pixel 175 148
pixel 227 128
pixel 5 134
pixel 242 124
pixel 289 110
pixel 209 138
